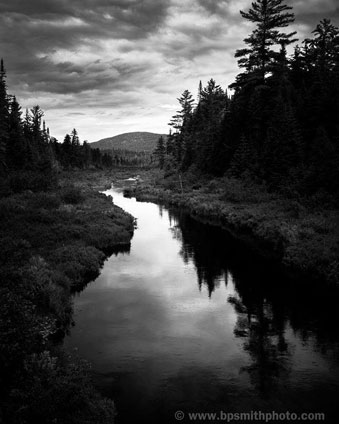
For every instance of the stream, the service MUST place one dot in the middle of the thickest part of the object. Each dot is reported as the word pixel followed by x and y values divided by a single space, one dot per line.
pixel 190 320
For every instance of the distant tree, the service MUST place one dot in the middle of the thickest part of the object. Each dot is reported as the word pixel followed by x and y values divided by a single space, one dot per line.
pixel 27 124
pixel 67 151
pixel 160 152
pixel 17 144
pixel 199 91
pixel 4 118
pixel 75 138
pixel 86 154
pixel 107 160
pixel 75 150
pixel 37 114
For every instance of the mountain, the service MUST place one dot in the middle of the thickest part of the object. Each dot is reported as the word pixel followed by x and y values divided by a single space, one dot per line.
pixel 135 141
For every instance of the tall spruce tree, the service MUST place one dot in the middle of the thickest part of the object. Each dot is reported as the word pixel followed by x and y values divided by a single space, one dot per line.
pixel 212 109
pixel 179 123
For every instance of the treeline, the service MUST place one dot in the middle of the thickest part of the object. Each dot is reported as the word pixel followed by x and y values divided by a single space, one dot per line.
pixel 30 157
pixel 125 158
pixel 71 154
pixel 280 127
pixel 26 155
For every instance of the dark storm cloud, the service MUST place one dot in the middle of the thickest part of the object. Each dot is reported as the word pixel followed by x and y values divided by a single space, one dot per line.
pixel 143 14
pixel 308 13
pixel 32 31
pixel 68 78
pixel 40 25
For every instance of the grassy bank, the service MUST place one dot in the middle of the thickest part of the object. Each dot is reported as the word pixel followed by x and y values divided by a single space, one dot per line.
pixel 301 234
pixel 51 243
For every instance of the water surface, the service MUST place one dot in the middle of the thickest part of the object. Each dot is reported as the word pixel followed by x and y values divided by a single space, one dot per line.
pixel 189 320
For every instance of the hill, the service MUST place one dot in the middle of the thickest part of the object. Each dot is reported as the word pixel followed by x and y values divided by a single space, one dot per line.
pixel 135 141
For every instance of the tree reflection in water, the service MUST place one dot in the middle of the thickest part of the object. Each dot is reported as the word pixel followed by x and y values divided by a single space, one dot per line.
pixel 267 303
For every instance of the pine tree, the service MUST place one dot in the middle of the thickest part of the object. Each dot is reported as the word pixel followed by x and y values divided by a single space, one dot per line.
pixel 323 49
pixel 244 160
pixel 199 91
pixel 37 137
pixel 212 109
pixel 67 150
pixel 75 138
pixel 259 56
pixel 183 115
pixel 86 154
pixel 179 122
pixel 160 152
pixel 283 148
pixel 4 118
pixel 75 151
pixel 37 115
pixel 17 144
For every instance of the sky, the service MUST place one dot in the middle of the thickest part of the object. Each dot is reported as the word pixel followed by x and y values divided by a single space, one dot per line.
pixel 106 67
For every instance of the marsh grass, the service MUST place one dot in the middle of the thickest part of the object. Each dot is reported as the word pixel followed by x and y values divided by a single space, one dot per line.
pixel 300 233
pixel 51 243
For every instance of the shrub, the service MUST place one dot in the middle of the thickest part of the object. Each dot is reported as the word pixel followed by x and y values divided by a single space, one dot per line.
pixel 29 180
pixel 45 201
pixel 78 263
pixel 57 390
pixel 72 195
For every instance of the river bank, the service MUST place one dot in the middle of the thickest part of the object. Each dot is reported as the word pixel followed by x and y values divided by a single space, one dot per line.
pixel 300 235
pixel 52 243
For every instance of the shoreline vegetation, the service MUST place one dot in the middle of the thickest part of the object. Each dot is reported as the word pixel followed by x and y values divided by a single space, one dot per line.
pixel 301 236
pixel 52 244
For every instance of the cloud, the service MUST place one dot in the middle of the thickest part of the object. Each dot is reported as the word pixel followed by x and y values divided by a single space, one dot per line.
pixel 126 58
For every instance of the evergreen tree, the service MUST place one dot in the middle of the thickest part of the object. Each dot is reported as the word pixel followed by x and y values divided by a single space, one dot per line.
pixel 244 161
pixel 27 125
pixel 160 152
pixel 86 154
pixel 323 164
pixel 37 114
pixel 75 138
pixel 282 152
pixel 4 118
pixel 258 58
pixel 179 123
pixel 17 144
pixel 75 150
pixel 212 109
pixel 67 150
pixel 323 49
